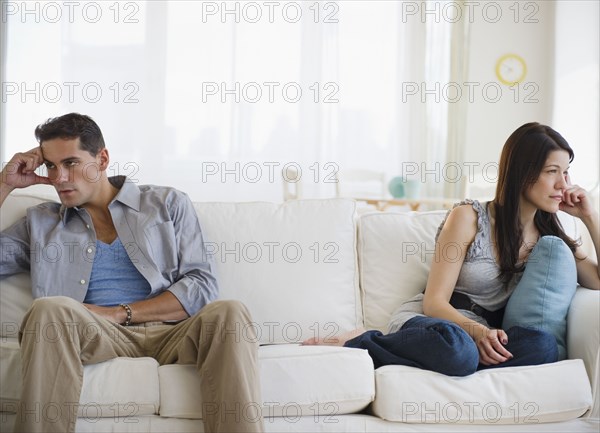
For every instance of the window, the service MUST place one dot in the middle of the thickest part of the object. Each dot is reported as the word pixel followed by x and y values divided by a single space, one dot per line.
pixel 216 98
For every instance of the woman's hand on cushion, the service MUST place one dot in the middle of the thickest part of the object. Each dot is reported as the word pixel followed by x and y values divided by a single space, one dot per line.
pixel 490 344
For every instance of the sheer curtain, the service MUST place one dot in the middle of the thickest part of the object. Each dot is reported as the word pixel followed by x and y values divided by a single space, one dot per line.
pixel 217 98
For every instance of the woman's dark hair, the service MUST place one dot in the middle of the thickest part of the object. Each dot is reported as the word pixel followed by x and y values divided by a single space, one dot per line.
pixel 72 125
pixel 523 157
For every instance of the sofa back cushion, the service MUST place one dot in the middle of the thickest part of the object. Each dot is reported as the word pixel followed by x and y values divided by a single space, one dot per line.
pixel 17 203
pixel 293 264
pixel 395 252
pixel 15 291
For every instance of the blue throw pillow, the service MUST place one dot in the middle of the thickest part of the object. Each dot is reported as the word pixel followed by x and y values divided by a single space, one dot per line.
pixel 542 298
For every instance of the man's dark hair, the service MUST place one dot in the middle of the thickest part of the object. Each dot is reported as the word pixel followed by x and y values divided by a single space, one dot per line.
pixel 72 125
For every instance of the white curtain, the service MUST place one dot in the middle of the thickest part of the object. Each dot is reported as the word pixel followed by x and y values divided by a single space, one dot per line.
pixel 216 98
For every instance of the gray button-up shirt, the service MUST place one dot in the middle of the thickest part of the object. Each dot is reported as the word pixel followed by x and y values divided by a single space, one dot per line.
pixel 158 227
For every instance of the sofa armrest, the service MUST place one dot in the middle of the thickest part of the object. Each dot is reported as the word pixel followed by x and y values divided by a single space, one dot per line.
pixel 583 337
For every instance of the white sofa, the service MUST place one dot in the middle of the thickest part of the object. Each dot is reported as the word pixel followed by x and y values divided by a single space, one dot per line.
pixel 315 266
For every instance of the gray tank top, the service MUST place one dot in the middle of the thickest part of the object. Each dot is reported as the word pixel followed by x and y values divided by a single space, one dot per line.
pixel 478 277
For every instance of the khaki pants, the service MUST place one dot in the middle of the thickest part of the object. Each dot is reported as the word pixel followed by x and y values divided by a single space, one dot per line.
pixel 59 336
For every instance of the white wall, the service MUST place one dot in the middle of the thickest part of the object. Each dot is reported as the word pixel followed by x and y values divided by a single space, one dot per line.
pixel 576 98
pixel 490 123
pixel 561 50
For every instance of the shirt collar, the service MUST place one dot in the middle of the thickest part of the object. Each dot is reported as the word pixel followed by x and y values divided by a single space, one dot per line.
pixel 129 194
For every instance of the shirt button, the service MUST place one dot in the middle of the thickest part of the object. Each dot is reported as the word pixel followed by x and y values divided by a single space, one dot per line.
pixel 89 250
pixel 87 226
pixel 82 282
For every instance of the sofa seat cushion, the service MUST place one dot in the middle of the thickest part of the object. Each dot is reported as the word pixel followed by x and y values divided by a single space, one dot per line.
pixel 120 387
pixel 296 381
pixel 513 395
pixel 115 388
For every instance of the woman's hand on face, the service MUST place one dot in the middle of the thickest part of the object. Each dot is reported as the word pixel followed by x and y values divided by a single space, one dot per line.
pixel 491 346
pixel 576 201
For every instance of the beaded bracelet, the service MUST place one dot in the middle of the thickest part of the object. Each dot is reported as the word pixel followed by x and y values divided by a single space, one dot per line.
pixel 128 311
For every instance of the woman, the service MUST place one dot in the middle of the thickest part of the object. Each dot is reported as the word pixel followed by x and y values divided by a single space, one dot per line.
pixel 513 245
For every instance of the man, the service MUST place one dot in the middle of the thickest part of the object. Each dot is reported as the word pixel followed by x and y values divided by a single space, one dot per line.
pixel 132 258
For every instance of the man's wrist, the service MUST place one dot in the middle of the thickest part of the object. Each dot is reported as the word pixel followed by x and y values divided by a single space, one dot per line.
pixel 125 315
pixel 5 188
pixel 5 191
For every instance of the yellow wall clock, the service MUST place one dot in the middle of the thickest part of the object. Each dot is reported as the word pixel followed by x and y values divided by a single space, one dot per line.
pixel 511 69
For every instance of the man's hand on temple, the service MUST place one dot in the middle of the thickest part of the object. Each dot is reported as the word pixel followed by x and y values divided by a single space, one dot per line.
pixel 19 172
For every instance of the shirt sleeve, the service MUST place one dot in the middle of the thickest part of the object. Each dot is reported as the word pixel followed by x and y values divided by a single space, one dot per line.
pixel 197 284
pixel 14 249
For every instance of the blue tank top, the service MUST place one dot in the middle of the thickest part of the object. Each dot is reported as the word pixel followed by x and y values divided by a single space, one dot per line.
pixel 115 280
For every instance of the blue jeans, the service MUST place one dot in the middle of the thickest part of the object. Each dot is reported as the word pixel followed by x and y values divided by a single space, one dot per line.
pixel 535 321
pixel 443 346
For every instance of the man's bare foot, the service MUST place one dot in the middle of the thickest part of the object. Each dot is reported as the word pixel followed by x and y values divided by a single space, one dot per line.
pixel 336 340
